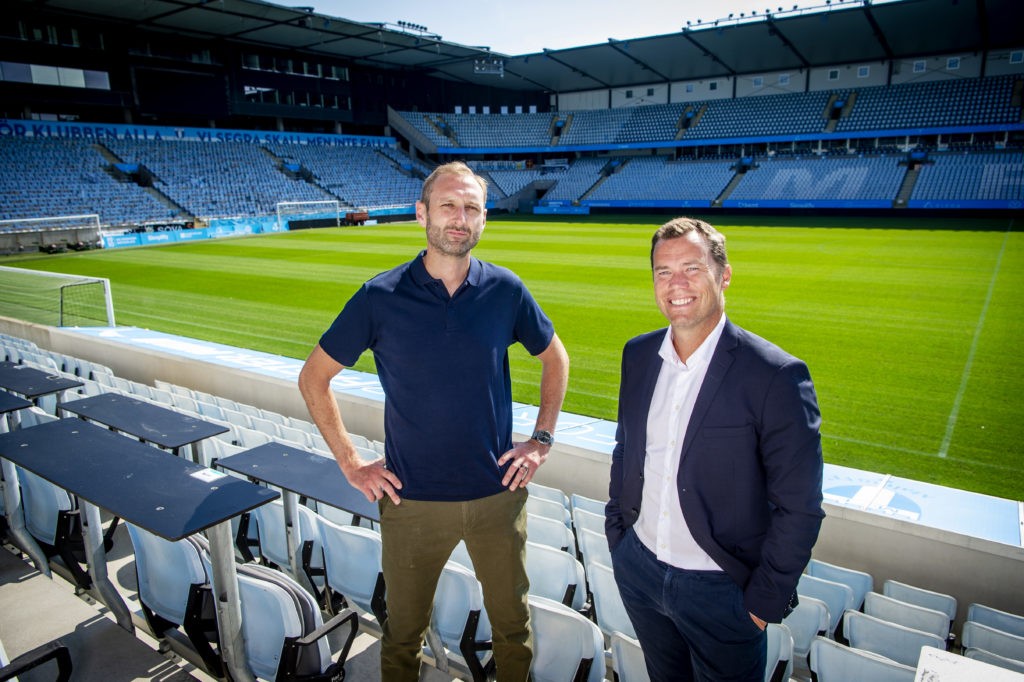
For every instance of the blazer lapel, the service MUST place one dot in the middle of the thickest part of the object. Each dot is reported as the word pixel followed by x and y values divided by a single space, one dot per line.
pixel 645 386
pixel 721 360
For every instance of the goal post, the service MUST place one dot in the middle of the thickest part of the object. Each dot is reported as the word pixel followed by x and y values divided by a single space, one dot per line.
pixel 55 299
pixel 323 213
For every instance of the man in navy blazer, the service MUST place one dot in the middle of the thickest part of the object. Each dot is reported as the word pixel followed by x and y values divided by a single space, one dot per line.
pixel 715 493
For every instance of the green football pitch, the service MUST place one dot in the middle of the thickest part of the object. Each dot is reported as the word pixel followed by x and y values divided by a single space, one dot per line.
pixel 908 325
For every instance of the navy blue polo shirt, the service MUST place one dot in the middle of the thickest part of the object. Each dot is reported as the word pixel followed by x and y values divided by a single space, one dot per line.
pixel 443 363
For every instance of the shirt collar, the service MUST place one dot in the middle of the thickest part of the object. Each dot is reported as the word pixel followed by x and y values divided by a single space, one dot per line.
pixel 422 277
pixel 700 356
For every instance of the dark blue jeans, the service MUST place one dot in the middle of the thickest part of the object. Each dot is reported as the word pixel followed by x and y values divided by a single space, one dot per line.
pixel 692 625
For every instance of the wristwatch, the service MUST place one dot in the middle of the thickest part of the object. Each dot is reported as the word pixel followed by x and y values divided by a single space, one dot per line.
pixel 543 437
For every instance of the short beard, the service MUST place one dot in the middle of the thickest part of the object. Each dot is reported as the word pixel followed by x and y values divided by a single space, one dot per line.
pixel 437 240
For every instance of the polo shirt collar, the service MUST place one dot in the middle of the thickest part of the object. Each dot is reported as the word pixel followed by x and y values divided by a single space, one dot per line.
pixel 423 278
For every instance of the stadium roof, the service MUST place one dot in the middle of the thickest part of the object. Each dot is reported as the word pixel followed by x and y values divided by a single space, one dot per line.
pixel 780 39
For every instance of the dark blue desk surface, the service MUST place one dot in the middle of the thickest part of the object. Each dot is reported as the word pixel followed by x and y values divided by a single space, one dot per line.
pixel 164 494
pixel 10 403
pixel 152 423
pixel 31 382
pixel 305 473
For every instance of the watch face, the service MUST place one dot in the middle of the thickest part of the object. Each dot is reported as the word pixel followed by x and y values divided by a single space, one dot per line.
pixel 543 437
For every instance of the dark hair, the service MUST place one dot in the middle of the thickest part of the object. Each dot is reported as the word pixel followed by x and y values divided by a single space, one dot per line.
pixel 451 168
pixel 680 227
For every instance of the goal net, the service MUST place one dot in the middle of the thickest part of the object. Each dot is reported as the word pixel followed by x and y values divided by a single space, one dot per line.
pixel 55 299
pixel 308 213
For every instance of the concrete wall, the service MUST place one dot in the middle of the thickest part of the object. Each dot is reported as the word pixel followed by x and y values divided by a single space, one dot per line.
pixel 973 570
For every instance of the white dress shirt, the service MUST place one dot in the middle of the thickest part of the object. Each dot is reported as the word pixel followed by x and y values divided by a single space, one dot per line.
pixel 661 526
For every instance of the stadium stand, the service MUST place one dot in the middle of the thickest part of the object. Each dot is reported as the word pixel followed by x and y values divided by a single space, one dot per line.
pixel 825 178
pixel 99 378
pixel 821 147
pixel 75 180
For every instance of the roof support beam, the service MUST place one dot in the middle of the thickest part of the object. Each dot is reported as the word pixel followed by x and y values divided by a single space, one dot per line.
pixel 550 55
pixel 773 30
pixel 877 31
pixel 624 51
pixel 709 54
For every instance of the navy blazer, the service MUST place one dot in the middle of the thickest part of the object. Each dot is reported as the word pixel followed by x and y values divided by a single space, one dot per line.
pixel 750 472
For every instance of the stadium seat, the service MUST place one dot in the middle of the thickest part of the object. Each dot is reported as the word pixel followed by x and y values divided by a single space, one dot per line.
pixel 837 596
pixel 921 597
pixel 628 659
pixel 609 611
pixel 909 615
pixel 835 662
pixel 547 492
pixel 555 575
pixel 896 642
pixel 977 636
pixel 859 581
pixel 583 519
pixel 352 558
pixel 273 541
pixel 460 631
pixel 548 531
pixel 593 547
pixel 282 627
pixel 174 591
pixel 994 618
pixel 779 660
pixel 567 645
pixel 552 509
pixel 808 620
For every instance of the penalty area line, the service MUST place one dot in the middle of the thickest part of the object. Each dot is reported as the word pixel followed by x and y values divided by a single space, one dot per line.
pixel 965 377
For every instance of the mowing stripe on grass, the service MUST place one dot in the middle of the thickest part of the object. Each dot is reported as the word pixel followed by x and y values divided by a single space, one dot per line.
pixel 966 376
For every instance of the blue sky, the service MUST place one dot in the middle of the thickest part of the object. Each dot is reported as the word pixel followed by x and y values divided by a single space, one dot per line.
pixel 517 27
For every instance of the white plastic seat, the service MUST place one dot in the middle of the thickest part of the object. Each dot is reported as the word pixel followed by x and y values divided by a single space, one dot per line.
pixel 909 615
pixel 568 647
pixel 460 555
pixel 978 636
pixel 282 627
pixel 548 493
pixel 859 581
pixel 548 531
pixel 578 501
pixel 837 596
pixel 896 642
pixel 352 562
pixel 551 509
pixel 994 618
pixel 921 597
pixel 174 590
pixel 834 662
pixel 593 547
pixel 555 575
pixel 808 620
pixel 273 540
pixel 583 519
pixel 628 658
pixel 459 628
pixel 779 661
pixel 609 611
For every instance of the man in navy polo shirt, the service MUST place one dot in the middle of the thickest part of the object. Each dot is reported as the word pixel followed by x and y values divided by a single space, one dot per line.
pixel 439 327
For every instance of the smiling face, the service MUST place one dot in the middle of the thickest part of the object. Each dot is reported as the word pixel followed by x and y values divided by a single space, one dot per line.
pixel 689 287
pixel 455 216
